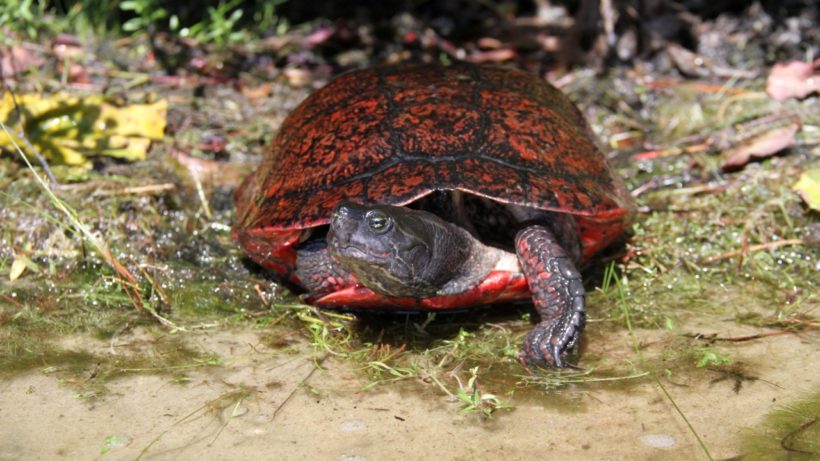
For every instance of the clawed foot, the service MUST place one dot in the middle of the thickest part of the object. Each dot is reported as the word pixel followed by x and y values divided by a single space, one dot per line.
pixel 549 342
pixel 557 294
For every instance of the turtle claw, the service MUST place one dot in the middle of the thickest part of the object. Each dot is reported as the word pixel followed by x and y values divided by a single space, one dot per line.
pixel 556 356
pixel 548 343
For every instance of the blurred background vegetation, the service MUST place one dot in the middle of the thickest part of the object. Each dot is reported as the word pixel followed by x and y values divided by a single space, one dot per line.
pixel 220 22
pixel 234 21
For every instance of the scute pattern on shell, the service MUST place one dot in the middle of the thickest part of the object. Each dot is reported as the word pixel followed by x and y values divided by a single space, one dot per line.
pixel 395 133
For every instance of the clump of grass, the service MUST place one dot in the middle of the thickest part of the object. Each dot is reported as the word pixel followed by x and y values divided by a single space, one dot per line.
pixel 553 380
pixel 474 399
pixel 85 256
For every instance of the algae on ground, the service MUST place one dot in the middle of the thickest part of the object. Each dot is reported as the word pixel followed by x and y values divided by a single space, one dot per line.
pixel 790 432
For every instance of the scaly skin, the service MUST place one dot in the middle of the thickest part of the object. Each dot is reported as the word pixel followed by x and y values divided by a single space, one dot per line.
pixel 319 274
pixel 557 293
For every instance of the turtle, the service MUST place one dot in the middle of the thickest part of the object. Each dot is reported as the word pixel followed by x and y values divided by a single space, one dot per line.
pixel 423 187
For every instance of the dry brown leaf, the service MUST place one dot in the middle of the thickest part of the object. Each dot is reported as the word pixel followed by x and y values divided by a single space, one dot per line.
pixel 212 172
pixel 254 93
pixel 319 36
pixel 689 63
pixel 16 59
pixel 489 43
pixel 499 55
pixel 760 146
pixel 794 79
pixel 297 77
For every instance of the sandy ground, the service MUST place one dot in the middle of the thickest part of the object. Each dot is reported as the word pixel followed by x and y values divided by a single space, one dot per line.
pixel 295 411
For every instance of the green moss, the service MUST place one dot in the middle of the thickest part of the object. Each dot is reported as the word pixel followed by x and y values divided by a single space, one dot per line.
pixel 790 432
pixel 24 353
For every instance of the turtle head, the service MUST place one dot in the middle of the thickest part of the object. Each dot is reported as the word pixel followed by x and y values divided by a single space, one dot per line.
pixel 396 251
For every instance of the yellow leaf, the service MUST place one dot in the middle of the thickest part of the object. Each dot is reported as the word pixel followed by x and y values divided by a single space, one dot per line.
pixel 18 266
pixel 808 186
pixel 69 129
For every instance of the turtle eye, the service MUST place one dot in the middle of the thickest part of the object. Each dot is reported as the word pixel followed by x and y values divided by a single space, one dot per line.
pixel 378 222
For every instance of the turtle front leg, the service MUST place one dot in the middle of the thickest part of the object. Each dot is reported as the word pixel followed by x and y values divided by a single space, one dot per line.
pixel 557 293
pixel 318 273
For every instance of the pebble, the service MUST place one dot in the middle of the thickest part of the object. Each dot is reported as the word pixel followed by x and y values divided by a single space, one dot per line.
pixel 352 458
pixel 352 425
pixel 658 440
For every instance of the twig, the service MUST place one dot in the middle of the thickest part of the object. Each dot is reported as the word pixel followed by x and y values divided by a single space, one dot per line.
pixel 296 388
pixel 262 297
pixel 156 286
pixel 753 249
pixel 393 354
pixel 784 442
pixel 138 190
pixel 738 339
pixel 11 300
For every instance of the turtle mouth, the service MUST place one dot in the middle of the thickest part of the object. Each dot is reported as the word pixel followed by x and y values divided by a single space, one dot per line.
pixel 358 252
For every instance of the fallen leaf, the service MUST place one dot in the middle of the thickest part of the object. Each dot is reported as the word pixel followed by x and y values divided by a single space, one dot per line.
pixel 489 43
pixel 689 63
pixel 794 79
pixel 212 172
pixel 297 77
pixel 763 145
pixel 255 93
pixel 14 60
pixel 499 55
pixel 693 64
pixel 75 73
pixel 18 266
pixel 319 36
pixel 69 129
pixel 808 186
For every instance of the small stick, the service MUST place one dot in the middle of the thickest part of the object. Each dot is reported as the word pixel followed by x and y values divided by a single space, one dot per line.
pixel 785 442
pixel 138 190
pixel 753 249
pixel 738 339
pixel 11 300
pixel 296 388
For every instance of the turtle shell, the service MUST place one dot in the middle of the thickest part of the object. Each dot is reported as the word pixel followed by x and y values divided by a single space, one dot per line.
pixel 393 134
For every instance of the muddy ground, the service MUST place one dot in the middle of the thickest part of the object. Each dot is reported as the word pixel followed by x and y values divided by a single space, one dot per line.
pixel 262 403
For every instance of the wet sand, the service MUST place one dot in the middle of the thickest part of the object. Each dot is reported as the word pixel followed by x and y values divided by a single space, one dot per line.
pixel 293 410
